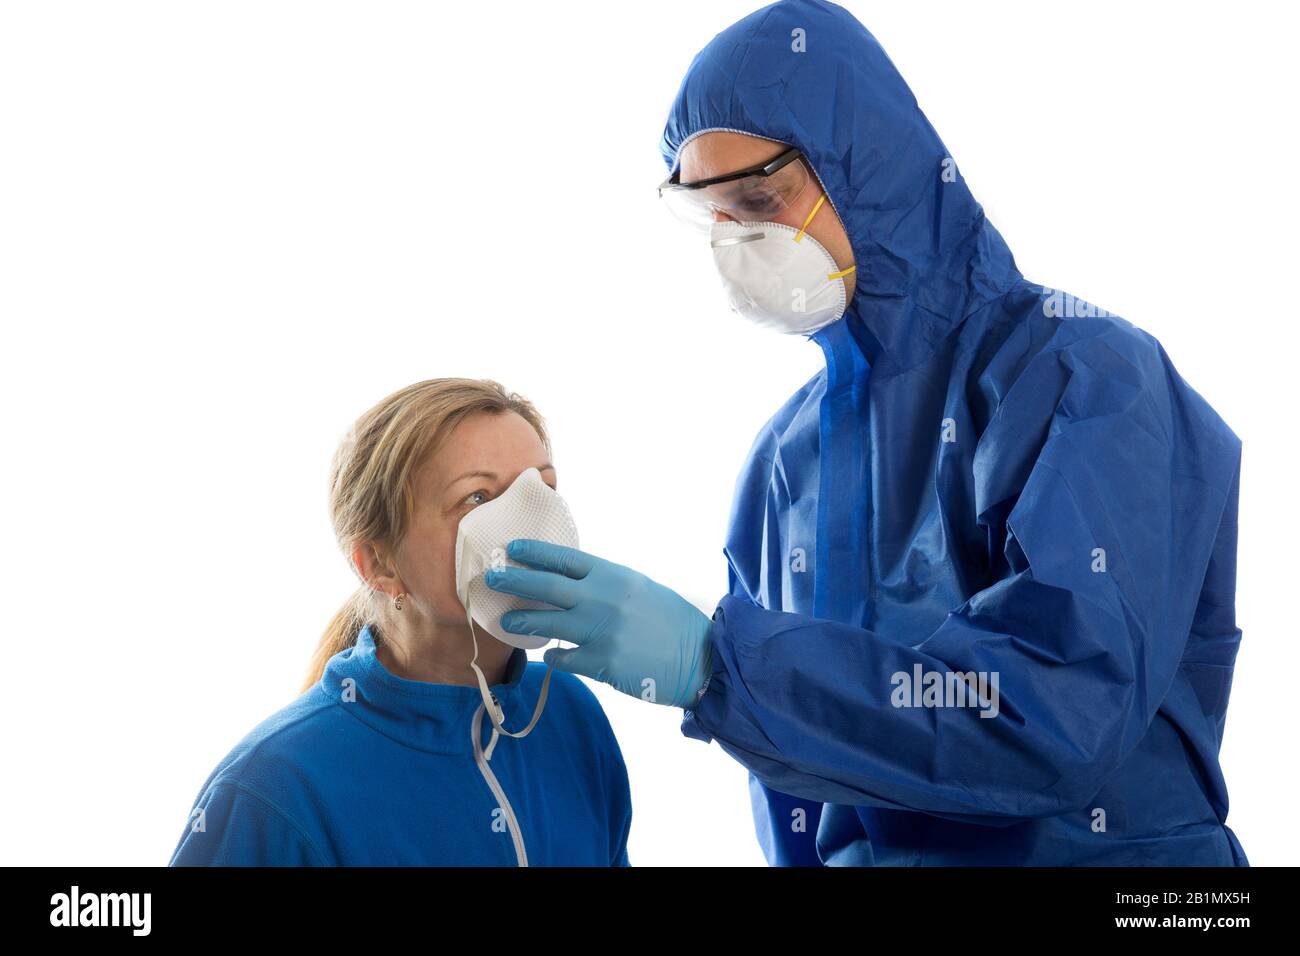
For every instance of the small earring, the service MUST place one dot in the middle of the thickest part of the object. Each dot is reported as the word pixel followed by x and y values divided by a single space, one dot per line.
pixel 397 601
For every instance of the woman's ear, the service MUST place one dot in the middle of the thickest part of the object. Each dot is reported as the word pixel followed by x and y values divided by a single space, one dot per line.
pixel 376 569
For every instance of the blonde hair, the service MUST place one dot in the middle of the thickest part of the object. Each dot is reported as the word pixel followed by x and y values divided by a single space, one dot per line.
pixel 372 476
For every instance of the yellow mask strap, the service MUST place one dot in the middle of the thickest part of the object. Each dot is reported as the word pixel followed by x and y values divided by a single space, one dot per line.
pixel 804 228
pixel 834 275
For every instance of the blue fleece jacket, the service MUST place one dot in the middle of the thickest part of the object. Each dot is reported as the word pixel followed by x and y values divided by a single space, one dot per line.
pixel 370 769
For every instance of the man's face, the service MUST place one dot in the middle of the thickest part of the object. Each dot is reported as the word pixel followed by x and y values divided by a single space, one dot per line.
pixel 718 153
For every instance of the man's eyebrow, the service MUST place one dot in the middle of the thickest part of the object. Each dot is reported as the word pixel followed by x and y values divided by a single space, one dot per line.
pixel 492 475
pixel 712 172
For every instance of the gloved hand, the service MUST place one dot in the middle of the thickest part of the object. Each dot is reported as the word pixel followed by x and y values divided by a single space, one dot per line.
pixel 632 633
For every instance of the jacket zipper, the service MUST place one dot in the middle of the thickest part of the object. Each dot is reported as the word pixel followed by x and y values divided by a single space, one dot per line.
pixel 512 821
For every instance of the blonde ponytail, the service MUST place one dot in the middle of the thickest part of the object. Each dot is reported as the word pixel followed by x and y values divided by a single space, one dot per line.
pixel 340 634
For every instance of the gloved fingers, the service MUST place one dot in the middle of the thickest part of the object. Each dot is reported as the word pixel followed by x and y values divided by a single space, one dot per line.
pixel 565 625
pixel 538 585
pixel 569 562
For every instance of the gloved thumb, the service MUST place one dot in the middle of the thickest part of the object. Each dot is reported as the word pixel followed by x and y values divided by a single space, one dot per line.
pixel 563 659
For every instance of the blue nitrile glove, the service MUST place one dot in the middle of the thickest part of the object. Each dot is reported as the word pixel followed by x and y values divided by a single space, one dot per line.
pixel 632 633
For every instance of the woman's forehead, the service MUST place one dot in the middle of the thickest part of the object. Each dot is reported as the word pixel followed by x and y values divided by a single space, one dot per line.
pixel 489 444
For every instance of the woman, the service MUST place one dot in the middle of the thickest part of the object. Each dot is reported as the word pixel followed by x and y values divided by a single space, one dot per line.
pixel 385 759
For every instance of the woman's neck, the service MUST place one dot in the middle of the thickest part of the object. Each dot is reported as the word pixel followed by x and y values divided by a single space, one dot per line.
pixel 442 657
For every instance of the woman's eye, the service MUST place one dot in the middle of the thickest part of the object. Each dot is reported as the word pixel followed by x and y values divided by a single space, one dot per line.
pixel 476 498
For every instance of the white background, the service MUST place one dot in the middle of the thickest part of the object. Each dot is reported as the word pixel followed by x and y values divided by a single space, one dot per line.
pixel 227 229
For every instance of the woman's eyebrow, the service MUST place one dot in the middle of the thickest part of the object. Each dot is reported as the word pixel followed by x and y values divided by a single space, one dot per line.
pixel 492 475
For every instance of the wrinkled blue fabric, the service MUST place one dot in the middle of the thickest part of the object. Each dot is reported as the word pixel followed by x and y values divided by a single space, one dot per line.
pixel 988 476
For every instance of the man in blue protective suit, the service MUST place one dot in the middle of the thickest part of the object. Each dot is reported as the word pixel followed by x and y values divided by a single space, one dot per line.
pixel 982 566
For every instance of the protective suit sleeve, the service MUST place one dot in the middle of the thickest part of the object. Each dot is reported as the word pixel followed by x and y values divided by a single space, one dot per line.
pixel 1104 550
pixel 238 827
pixel 785 825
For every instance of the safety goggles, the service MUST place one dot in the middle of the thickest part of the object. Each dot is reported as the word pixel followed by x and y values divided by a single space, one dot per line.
pixel 758 193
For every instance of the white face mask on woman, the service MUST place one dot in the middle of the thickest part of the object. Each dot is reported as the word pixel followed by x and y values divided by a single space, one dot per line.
pixel 779 277
pixel 529 508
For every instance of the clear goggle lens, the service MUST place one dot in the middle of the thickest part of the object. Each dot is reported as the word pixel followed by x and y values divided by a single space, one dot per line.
pixel 751 199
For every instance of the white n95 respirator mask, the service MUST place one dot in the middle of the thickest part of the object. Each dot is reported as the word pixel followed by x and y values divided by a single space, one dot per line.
pixel 778 276
pixel 529 508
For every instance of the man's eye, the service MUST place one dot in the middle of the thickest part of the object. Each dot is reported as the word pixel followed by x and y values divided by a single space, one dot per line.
pixel 761 203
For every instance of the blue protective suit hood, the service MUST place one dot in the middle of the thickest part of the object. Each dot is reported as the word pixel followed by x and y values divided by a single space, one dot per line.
pixel 989 480
pixel 925 254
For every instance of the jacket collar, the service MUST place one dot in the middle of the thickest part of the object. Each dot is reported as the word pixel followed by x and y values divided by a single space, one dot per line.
pixel 435 718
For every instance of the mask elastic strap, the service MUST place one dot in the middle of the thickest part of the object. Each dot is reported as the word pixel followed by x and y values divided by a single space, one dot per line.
pixel 804 228
pixel 493 709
